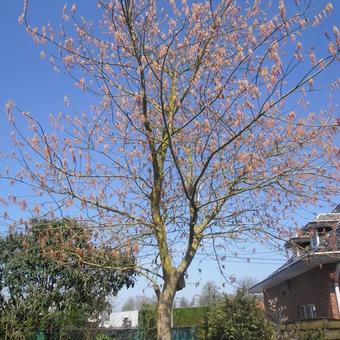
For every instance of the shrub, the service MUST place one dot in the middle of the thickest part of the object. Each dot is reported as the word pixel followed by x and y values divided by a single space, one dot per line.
pixel 239 317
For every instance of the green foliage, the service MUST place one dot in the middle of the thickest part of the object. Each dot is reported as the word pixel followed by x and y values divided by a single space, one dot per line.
pixel 236 318
pixel 189 316
pixel 182 317
pixel 313 334
pixel 147 321
pixel 103 337
pixel 43 285
pixel 301 334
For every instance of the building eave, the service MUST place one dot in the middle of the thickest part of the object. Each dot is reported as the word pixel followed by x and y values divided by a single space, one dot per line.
pixel 294 268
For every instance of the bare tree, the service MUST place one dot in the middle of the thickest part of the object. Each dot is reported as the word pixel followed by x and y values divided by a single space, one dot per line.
pixel 136 303
pixel 202 137
pixel 210 294
pixel 184 302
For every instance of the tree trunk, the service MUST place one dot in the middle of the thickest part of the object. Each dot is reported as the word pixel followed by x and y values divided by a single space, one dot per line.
pixel 164 313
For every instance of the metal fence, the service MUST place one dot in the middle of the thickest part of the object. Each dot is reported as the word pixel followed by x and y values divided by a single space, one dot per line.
pixel 187 333
pixel 180 333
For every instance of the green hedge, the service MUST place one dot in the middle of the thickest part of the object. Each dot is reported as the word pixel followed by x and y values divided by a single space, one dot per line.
pixel 188 316
pixel 182 317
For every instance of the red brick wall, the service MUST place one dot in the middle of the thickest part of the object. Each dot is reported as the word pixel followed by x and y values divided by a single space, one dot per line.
pixel 313 287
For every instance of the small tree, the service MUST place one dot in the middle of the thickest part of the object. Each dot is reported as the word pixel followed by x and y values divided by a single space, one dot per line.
pixel 246 283
pixel 239 317
pixel 41 287
pixel 184 302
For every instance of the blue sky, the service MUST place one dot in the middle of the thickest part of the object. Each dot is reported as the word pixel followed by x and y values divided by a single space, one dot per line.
pixel 36 88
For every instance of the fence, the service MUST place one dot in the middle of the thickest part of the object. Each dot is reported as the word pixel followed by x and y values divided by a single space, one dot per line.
pixel 329 328
pixel 179 333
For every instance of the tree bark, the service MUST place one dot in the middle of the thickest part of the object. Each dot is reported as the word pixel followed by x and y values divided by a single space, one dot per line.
pixel 164 312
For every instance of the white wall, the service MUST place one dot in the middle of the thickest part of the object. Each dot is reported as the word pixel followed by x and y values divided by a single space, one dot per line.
pixel 116 319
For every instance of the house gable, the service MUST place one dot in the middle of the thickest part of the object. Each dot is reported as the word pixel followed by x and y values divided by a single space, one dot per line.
pixel 307 285
pixel 312 288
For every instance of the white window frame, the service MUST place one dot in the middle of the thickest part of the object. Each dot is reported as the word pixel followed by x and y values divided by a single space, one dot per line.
pixel 307 312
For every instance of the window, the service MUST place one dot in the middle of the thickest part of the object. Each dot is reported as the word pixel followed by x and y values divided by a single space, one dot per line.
pixel 107 316
pixel 315 241
pixel 126 323
pixel 285 289
pixel 307 312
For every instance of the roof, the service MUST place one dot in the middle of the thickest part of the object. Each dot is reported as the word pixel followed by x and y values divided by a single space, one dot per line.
pixel 330 217
pixel 324 220
pixel 297 240
pixel 320 224
pixel 297 266
pixel 293 268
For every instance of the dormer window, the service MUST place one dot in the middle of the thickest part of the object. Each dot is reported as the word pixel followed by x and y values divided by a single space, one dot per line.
pixel 298 245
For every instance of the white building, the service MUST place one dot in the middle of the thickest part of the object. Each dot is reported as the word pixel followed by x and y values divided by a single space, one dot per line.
pixel 128 319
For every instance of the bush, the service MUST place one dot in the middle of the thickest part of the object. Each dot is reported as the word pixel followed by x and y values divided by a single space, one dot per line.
pixel 236 318
pixel 147 321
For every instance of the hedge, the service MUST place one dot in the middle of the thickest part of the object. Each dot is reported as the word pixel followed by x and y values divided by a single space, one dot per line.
pixel 188 316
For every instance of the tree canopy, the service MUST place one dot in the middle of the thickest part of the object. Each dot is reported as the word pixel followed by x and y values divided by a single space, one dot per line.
pixel 41 290
pixel 200 136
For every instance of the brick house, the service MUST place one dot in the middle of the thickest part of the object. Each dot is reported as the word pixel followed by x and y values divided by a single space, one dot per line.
pixel 307 285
